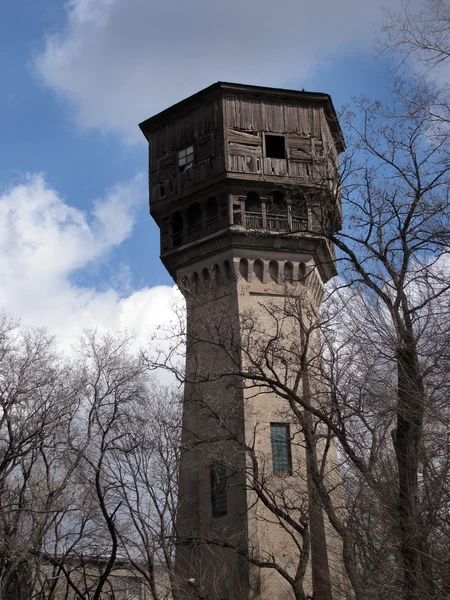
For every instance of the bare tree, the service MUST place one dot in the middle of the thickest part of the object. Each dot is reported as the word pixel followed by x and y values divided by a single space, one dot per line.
pixel 88 469
pixel 147 474
pixel 36 413
pixel 420 37
pixel 85 547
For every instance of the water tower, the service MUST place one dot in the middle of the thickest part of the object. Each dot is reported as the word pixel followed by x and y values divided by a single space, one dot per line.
pixel 242 187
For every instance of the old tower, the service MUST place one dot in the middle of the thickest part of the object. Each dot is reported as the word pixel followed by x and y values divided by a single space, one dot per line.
pixel 242 189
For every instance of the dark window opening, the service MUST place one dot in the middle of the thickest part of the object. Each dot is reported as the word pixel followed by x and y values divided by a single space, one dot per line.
pixel 281 448
pixel 224 210
pixel 218 490
pixel 212 216
pixel 211 209
pixel 228 271
pixel 177 230
pixel 276 203
pixel 253 202
pixel 194 215
pixel 194 222
pixel 275 146
pixel 162 190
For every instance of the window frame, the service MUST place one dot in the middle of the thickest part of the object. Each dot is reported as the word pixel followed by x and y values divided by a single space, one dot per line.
pixel 275 135
pixel 218 484
pixel 186 158
pixel 281 449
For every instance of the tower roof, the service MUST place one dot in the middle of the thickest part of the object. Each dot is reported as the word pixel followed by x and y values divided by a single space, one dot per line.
pixel 250 91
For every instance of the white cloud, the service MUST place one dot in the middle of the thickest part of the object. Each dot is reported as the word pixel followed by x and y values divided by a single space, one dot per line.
pixel 120 61
pixel 44 242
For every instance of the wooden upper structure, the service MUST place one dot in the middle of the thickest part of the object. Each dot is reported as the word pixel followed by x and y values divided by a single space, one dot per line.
pixel 219 158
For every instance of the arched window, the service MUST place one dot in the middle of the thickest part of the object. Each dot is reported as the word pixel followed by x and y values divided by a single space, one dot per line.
pixel 253 202
pixel 299 212
pixel 273 270
pixel 288 272
pixel 216 275
pixel 177 229
pixel 195 282
pixel 194 221
pixel 276 203
pixel 276 209
pixel 212 215
pixel 206 277
pixel 258 269
pixel 228 270
pixel 302 271
pixel 243 268
pixel 253 211
pixel 165 233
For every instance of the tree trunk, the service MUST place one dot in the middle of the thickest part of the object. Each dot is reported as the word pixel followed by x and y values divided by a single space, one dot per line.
pixel 407 439
pixel 319 556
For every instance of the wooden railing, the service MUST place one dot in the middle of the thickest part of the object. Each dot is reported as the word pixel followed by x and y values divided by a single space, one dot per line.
pixel 195 232
pixel 253 220
pixel 212 225
pixel 275 222
pixel 299 223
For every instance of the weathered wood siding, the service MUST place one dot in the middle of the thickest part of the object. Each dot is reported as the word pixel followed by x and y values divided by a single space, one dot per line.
pixel 308 139
pixel 228 134
pixel 201 128
pixel 274 117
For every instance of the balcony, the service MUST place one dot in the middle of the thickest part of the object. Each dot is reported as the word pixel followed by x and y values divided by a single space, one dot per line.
pixel 275 222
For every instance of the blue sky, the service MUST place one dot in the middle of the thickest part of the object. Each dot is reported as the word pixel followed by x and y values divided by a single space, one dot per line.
pixel 78 248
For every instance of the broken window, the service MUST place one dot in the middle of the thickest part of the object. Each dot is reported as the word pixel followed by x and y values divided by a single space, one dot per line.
pixel 186 158
pixel 275 146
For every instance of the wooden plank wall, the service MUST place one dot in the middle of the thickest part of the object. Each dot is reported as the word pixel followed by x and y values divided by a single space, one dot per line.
pixel 275 117
pixel 307 133
pixel 182 131
pixel 239 124
pixel 201 128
